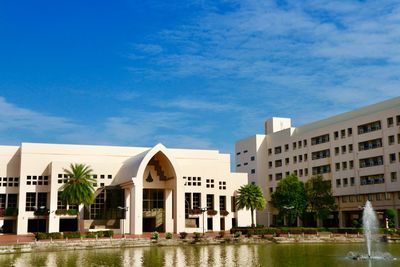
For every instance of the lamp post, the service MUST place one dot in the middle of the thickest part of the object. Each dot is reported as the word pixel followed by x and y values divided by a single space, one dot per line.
pixel 203 210
pixel 125 209
pixel 288 208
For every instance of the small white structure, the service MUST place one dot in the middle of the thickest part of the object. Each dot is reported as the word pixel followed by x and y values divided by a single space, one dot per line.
pixel 138 189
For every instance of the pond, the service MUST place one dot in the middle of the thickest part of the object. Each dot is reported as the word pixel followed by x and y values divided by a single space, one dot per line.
pixel 276 255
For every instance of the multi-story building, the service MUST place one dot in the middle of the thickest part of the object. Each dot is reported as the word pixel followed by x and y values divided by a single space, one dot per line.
pixel 358 151
pixel 137 189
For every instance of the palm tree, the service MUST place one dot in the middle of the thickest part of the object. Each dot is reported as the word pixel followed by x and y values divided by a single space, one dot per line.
pixel 251 197
pixel 79 187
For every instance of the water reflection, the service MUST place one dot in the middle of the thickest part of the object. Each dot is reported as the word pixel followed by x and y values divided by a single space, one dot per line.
pixel 297 255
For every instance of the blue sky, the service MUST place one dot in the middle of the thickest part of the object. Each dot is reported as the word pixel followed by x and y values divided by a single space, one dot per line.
pixel 198 73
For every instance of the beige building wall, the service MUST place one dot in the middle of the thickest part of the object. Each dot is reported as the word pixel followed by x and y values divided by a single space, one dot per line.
pixel 37 170
pixel 363 160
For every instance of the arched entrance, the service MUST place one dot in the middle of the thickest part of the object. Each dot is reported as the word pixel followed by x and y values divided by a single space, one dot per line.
pixel 158 194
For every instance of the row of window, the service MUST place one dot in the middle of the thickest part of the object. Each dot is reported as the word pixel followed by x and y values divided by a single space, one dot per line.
pixel 252 158
pixel 193 201
pixel 63 178
pixel 9 181
pixel 364 128
pixel 37 180
pixel 8 201
pixel 367 180
pixel 35 201
pixel 279 176
pixel 370 197
pixel 345 165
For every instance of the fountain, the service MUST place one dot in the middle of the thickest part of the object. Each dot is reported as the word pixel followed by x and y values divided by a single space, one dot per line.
pixel 370 229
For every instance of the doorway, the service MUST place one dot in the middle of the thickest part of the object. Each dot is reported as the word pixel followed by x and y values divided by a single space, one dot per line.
pixel 209 224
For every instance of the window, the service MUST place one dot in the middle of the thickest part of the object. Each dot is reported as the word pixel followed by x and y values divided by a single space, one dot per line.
pixel 391 140
pixel 210 202
pixel 252 158
pixel 237 153
pixel 369 127
pixel 222 185
pixel 233 204
pixel 349 131
pixel 271 190
pixel 286 147
pixel 350 148
pixel 372 179
pixel 269 151
pixel 222 202
pixel 392 157
pixel 238 165
pixel 336 135
pixel 393 176
pixel 269 164
pixel 352 181
pixel 390 122
pixel 305 142
pixel 351 164
pixel 320 154
pixel 209 183
pixel 42 200
pixel 2 201
pixel 370 144
pixel 301 172
pixel 306 172
pixel 369 162
pixel 398 119
pixel 300 158
pixel 287 173
pixel 60 204
pixel 342 133
pixel 245 151
pixel 278 150
pixel 320 139
pixel 294 145
pixel 278 163
pixel 338 182
pixel 344 165
pixel 245 164
pixel 278 176
pixel 343 149
pixel 299 144
pixel 336 151
pixel 30 201
pixel 196 200
pixel 345 182
pixel 286 161
pixel 321 169
pixel 295 159
pixel 109 176
pixel 305 157
pixel 253 171
pixel 270 177
pixel 337 166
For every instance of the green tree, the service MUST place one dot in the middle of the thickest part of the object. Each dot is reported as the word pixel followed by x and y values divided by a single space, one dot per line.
pixel 79 187
pixel 251 197
pixel 319 195
pixel 290 198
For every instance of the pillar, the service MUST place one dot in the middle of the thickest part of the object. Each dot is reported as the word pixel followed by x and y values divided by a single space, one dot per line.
pixel 136 211
pixel 126 222
pixel 169 221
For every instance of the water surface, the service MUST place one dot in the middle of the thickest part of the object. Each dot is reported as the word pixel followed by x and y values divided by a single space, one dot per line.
pixel 274 255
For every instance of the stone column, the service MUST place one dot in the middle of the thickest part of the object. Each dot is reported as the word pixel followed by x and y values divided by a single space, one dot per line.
pixel 136 214
pixel 126 222
pixel 168 210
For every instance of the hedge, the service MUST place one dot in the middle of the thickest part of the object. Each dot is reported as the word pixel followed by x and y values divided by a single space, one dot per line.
pixel 58 235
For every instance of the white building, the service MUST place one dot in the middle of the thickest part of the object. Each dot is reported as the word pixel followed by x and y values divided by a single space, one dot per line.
pixel 160 187
pixel 359 151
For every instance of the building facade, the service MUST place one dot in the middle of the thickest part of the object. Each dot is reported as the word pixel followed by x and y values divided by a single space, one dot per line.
pixel 137 189
pixel 358 151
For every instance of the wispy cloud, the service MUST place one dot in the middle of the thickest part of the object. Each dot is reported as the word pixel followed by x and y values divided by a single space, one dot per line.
pixel 326 50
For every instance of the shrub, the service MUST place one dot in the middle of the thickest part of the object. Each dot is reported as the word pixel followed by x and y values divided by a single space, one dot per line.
pixel 237 234
pixel 55 235
pixel 11 212
pixel 224 212
pixel 72 212
pixel 154 235
pixel 41 236
pixel 100 233
pixel 196 235
pixel 90 234
pixel 221 234
pixel 108 233
pixel 168 235
pixel 183 235
pixel 72 235
pixel 61 212
pixel 212 212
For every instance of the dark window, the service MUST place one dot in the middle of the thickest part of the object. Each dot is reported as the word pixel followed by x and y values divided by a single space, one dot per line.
pixel 369 127
pixel 30 201
pixel 320 139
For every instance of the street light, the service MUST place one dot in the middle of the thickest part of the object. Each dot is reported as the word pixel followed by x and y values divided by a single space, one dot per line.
pixel 288 208
pixel 202 211
pixel 125 209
